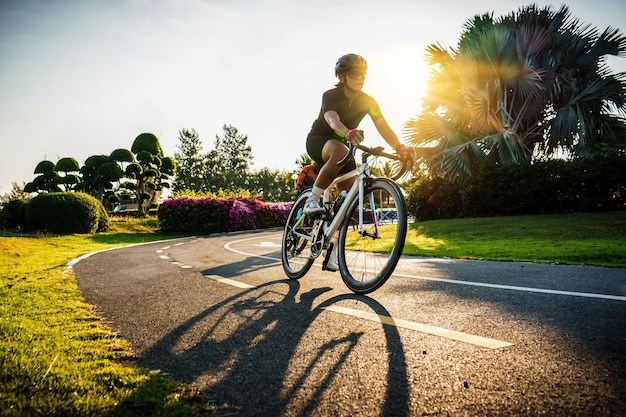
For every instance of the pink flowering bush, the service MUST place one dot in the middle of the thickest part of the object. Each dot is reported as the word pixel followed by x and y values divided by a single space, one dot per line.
pixel 215 215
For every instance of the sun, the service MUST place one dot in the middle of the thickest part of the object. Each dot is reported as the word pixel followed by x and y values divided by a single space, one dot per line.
pixel 397 76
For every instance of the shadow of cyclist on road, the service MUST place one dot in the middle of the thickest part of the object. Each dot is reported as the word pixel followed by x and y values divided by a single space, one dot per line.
pixel 273 350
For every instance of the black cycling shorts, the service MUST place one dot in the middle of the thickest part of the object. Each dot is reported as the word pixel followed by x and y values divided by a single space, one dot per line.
pixel 314 146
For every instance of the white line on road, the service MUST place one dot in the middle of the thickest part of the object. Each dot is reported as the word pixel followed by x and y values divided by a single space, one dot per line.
pixel 516 288
pixel 228 281
pixel 424 328
pixel 229 247
pixel 390 321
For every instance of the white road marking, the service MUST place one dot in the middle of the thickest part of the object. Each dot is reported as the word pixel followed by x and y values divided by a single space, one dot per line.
pixel 181 265
pixel 516 288
pixel 229 247
pixel 424 328
pixel 269 245
pixel 230 281
pixel 164 257
pixel 388 320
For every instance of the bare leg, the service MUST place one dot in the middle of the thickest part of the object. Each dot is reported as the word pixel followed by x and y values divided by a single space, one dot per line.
pixel 333 152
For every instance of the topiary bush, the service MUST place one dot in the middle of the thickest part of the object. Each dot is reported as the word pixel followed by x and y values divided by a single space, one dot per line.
pixel 66 213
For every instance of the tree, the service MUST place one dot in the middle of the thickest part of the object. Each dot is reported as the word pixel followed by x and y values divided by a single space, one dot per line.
pixel 46 181
pixel 532 83
pixel 99 173
pixel 229 162
pixel 17 193
pixel 122 156
pixel 151 171
pixel 272 185
pixel 190 162
pixel 69 167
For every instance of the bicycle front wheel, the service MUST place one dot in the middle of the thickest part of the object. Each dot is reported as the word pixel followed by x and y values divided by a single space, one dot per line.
pixel 368 257
pixel 296 245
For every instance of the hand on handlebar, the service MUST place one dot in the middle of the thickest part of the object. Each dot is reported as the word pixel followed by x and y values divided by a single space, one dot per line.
pixel 407 156
pixel 354 136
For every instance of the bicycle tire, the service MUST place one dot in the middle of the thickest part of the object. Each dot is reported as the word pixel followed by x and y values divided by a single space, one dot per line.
pixel 295 252
pixel 367 261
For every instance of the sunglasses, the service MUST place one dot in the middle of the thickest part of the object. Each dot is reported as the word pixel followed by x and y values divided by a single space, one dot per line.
pixel 355 74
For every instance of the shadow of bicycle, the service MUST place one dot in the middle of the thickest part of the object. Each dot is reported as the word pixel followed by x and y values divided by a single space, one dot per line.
pixel 273 350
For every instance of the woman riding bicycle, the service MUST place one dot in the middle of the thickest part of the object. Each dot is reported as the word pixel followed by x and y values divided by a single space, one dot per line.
pixel 343 108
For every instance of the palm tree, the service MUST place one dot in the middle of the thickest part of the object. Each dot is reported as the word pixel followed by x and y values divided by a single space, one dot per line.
pixel 532 83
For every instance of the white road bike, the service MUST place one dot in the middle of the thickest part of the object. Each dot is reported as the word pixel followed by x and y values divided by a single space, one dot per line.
pixel 372 224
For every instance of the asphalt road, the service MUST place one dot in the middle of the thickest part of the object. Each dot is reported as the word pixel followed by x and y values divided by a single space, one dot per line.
pixel 441 338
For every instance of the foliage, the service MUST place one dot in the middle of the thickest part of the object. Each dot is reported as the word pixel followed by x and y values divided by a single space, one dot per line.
pixel 225 170
pixel 228 164
pixel 303 160
pixel 101 175
pixel 209 194
pixel 67 164
pixel 66 212
pixel 13 214
pixel 273 185
pixel 17 192
pixel 190 161
pixel 535 82
pixel 122 155
pixel 58 358
pixel 553 186
pixel 215 215
pixel 46 181
pixel 151 171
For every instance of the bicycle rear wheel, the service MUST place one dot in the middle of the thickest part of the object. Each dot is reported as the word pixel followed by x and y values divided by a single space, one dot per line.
pixel 295 250
pixel 367 258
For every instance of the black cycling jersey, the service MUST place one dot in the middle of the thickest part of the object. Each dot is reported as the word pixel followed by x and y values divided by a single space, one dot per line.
pixel 350 114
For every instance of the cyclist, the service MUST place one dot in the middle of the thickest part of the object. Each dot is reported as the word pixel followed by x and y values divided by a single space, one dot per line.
pixel 343 108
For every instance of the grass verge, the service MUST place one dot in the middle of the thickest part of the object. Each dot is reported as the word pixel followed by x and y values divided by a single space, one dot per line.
pixel 56 357
pixel 580 239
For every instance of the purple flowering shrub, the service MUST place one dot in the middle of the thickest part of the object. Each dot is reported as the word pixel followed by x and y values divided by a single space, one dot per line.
pixel 215 215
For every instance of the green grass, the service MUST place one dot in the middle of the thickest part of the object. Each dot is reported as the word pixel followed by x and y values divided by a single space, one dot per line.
pixel 58 359
pixel 579 239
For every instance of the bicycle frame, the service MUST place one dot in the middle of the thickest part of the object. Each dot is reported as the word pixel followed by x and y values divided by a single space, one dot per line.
pixel 361 174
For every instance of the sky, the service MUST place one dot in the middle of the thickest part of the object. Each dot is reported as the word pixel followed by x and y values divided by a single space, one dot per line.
pixel 85 77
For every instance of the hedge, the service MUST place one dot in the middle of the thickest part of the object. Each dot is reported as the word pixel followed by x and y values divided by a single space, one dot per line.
pixel 215 215
pixel 555 186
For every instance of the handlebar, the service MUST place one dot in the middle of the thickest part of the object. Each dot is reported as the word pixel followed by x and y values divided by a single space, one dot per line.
pixel 377 151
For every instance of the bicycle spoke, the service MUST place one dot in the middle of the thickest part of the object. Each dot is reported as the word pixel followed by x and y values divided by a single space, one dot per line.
pixel 368 257
pixel 296 249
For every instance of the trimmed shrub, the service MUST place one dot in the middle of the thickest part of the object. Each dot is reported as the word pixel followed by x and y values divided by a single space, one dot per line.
pixel 555 186
pixel 13 214
pixel 216 215
pixel 66 213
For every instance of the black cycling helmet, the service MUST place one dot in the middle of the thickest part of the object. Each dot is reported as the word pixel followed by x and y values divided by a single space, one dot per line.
pixel 349 62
